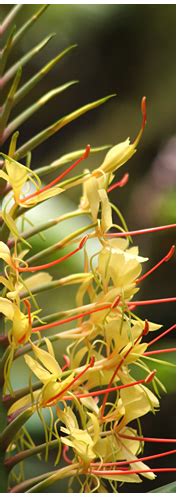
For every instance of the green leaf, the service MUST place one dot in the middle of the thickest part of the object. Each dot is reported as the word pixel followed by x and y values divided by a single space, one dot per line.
pixel 169 488
pixel 28 24
pixel 9 102
pixel 64 159
pixel 12 429
pixel 10 18
pixel 31 83
pixel 51 130
pixel 25 59
pixel 16 123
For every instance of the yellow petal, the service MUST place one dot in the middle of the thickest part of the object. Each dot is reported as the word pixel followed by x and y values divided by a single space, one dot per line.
pixel 5 253
pixel 48 361
pixel 37 369
pixel 7 308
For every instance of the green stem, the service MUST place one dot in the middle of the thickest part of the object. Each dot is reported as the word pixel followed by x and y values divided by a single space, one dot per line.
pixel 24 454
pixel 50 250
pixel 3 424
pixel 63 472
pixel 49 224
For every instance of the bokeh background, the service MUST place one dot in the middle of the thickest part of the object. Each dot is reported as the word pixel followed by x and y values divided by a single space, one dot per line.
pixel 128 50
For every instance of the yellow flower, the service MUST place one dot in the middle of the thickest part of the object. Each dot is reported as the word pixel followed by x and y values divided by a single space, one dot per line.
pixel 94 195
pixel 21 327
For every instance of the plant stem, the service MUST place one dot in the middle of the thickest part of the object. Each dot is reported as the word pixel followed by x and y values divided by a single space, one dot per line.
pixel 3 423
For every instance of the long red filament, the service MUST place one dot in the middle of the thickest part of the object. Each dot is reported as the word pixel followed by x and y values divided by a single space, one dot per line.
pixel 119 184
pixel 160 351
pixel 133 472
pixel 105 390
pixel 140 459
pixel 151 302
pixel 90 365
pixel 165 259
pixel 72 318
pixel 147 439
pixel 53 263
pixel 60 177
pixel 141 232
pixel 145 331
pixel 162 335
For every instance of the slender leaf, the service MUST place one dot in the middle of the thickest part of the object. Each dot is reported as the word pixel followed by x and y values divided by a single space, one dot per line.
pixel 10 18
pixel 16 123
pixel 9 102
pixel 64 159
pixel 167 489
pixel 25 59
pixel 51 130
pixel 31 83
pixel 28 24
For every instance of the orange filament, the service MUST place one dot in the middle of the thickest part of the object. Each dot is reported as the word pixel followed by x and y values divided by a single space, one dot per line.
pixel 147 439
pixel 77 316
pixel 161 351
pixel 165 259
pixel 107 390
pixel 53 263
pixel 133 472
pixel 146 458
pixel 162 335
pixel 60 177
pixel 90 365
pixel 144 332
pixel 143 231
pixel 119 184
pixel 151 302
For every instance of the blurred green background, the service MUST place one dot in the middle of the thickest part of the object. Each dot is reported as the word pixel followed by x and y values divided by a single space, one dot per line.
pixel 128 50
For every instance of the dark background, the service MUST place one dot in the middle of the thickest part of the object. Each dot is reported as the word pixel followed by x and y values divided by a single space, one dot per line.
pixel 128 50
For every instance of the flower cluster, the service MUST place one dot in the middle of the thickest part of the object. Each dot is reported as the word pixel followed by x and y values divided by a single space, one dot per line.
pixel 94 393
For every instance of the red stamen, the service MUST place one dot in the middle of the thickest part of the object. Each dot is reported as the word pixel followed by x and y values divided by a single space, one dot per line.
pixel 150 376
pixel 162 335
pixel 140 459
pixel 161 351
pixel 142 232
pixel 147 439
pixel 67 362
pixel 145 330
pixel 106 390
pixel 144 113
pixel 119 184
pixel 151 302
pixel 165 259
pixel 60 177
pixel 64 454
pixel 90 365
pixel 28 306
pixel 72 318
pixel 133 472
pixel 53 263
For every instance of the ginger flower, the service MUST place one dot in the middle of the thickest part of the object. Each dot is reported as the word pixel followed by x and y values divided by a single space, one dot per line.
pixel 95 195
pixel 21 323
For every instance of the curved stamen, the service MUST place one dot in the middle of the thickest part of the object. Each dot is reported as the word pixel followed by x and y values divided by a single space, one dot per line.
pixel 119 184
pixel 28 306
pixel 165 259
pixel 53 263
pixel 60 177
